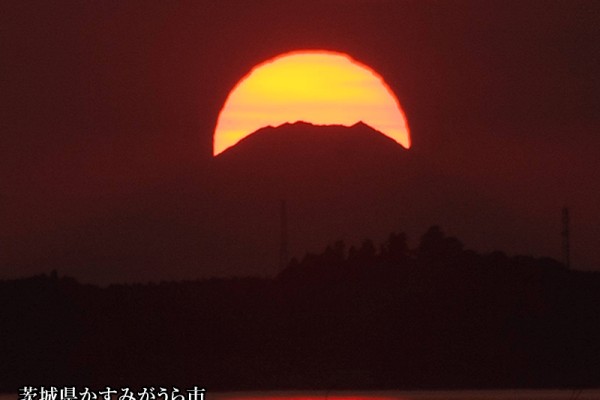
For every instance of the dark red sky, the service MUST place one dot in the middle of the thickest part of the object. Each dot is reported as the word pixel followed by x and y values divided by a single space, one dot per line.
pixel 105 102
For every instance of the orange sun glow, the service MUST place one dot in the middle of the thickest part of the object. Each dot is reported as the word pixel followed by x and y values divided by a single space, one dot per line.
pixel 319 87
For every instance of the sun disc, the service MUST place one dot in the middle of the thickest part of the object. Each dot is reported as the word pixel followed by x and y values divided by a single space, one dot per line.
pixel 318 87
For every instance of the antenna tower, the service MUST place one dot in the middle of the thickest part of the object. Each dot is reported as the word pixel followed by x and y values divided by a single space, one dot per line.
pixel 566 234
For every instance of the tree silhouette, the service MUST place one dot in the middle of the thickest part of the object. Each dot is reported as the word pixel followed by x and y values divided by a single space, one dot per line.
pixel 435 247
pixel 366 253
pixel 396 248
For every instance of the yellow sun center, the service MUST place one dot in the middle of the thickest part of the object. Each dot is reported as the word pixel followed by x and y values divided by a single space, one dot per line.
pixel 320 87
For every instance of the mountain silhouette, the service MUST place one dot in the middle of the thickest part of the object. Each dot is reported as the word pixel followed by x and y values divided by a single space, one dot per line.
pixel 311 161
pixel 314 141
pixel 343 183
pixel 340 183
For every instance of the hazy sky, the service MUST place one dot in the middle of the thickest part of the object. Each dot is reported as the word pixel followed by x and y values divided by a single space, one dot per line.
pixel 104 103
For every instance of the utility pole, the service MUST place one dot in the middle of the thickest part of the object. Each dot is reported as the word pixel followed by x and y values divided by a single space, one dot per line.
pixel 283 250
pixel 566 235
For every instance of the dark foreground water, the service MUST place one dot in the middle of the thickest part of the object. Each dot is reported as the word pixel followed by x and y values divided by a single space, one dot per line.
pixel 401 395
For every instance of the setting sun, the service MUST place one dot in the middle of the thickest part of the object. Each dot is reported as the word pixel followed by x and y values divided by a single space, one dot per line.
pixel 319 87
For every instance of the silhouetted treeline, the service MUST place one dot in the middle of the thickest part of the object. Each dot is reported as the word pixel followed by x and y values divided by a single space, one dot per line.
pixel 434 316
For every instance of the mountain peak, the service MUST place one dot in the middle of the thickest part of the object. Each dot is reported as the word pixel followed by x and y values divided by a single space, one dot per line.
pixel 303 138
pixel 306 125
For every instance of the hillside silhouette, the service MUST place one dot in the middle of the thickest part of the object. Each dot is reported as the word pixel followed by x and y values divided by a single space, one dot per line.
pixel 373 316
